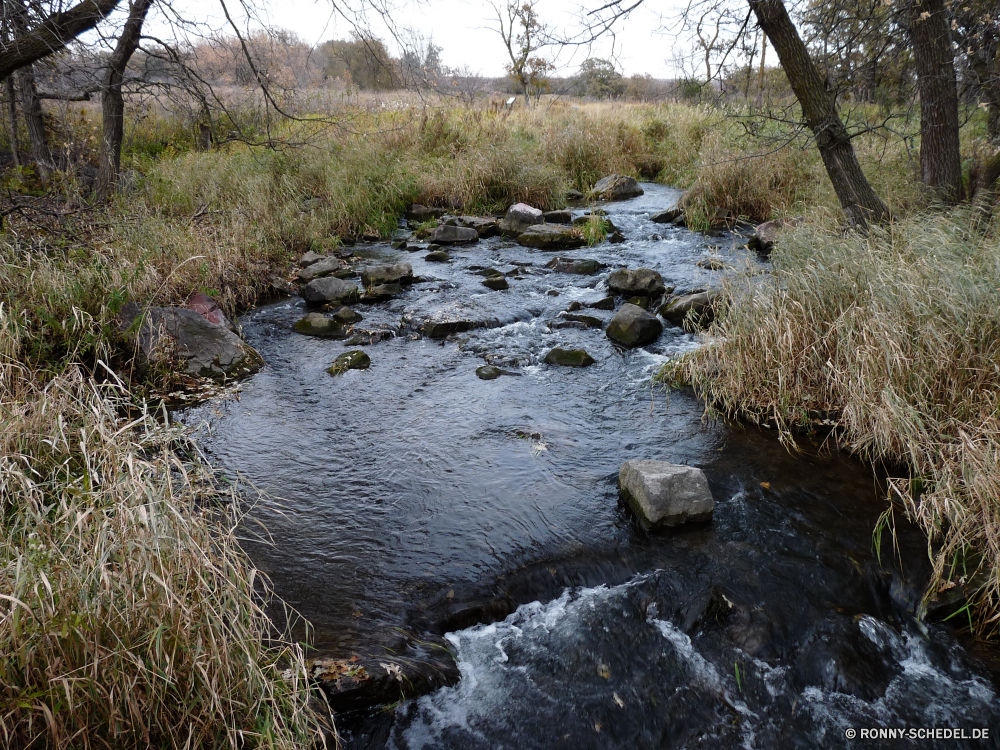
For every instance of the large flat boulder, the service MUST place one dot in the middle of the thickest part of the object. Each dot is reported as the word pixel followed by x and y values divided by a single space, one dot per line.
pixel 632 326
pixel 616 187
pixel 329 289
pixel 665 494
pixel 448 234
pixel 640 281
pixel 519 217
pixel 396 273
pixel 179 335
pixel 550 237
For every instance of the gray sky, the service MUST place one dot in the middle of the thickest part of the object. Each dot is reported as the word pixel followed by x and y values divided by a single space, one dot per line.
pixel 461 28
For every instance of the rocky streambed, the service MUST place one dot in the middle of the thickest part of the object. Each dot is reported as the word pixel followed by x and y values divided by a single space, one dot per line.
pixel 450 522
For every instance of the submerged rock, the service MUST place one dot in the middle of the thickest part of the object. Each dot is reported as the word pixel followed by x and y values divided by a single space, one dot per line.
pixel 396 273
pixel 496 283
pixel 617 187
pixel 700 306
pixel 588 320
pixel 568 357
pixel 491 372
pixel 665 494
pixel 666 217
pixel 632 326
pixel 583 266
pixel 320 326
pixel 519 217
pixel 644 281
pixel 200 347
pixel 550 237
pixel 353 360
pixel 329 289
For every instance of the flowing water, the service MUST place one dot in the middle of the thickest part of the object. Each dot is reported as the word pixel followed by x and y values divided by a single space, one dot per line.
pixel 417 498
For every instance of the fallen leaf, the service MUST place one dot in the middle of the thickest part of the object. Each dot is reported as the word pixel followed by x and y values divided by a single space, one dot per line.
pixel 766 485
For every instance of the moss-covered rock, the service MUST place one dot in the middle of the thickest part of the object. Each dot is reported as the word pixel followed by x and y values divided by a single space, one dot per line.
pixel 320 326
pixel 353 360
pixel 568 357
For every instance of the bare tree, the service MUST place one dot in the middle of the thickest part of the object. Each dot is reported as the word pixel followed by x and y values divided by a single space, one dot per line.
pixel 524 36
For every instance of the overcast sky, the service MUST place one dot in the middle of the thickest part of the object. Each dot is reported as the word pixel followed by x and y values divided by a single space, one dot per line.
pixel 462 28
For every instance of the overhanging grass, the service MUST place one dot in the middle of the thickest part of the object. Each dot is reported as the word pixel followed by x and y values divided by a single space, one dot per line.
pixel 895 338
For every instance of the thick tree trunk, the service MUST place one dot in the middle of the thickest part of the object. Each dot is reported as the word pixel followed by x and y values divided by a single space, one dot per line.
pixel 12 120
pixel 112 101
pixel 53 34
pixel 940 156
pixel 819 107
pixel 31 108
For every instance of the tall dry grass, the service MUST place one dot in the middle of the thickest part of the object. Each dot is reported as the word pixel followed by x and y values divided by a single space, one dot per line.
pixel 894 338
pixel 129 615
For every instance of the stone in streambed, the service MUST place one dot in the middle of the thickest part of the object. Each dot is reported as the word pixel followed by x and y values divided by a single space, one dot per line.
pixel 353 360
pixel 438 256
pixel 582 266
pixel 608 303
pixel 632 326
pixel 588 320
pixel 700 306
pixel 320 326
pixel 452 235
pixel 550 237
pixel 557 217
pixel 396 273
pixel 568 357
pixel 322 267
pixel 641 281
pixel 665 494
pixel 666 217
pixel 345 315
pixel 496 283
pixel 309 258
pixel 329 289
pixel 491 372
pixel 519 217
pixel 381 292
pixel 617 187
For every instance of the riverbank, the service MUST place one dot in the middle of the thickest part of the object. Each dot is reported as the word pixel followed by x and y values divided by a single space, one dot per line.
pixel 889 339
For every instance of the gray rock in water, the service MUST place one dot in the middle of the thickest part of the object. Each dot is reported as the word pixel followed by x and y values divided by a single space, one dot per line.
pixel 353 360
pixel 557 217
pixel 437 256
pixel 329 289
pixel 712 264
pixel 323 267
pixel 617 187
pixel 491 372
pixel 608 303
pixel 665 494
pixel 452 235
pixel 550 237
pixel 345 315
pixel 632 326
pixel 519 217
pixel 496 283
pixel 381 292
pixel 666 217
pixel 615 238
pixel 588 320
pixel 644 281
pixel 485 227
pixel 203 348
pixel 320 326
pixel 582 266
pixel 700 306
pixel 574 195
pixel 309 258
pixel 568 357
pixel 397 273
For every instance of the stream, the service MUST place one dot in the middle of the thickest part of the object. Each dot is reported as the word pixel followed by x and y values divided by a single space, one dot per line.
pixel 413 498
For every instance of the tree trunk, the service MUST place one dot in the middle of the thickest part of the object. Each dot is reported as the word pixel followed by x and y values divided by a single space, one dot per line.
pixel 940 156
pixel 12 120
pixel 112 101
pixel 819 107
pixel 53 34
pixel 31 108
